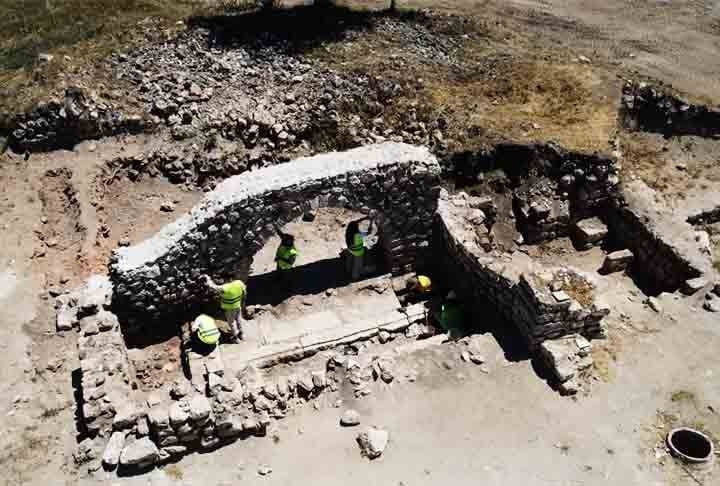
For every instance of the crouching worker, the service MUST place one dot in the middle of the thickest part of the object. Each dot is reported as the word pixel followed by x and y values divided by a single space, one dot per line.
pixel 452 315
pixel 205 334
pixel 232 301
pixel 417 288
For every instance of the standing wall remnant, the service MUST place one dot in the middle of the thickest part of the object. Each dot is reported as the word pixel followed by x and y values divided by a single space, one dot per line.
pixel 221 234
pixel 540 302
pixel 665 250
pixel 649 109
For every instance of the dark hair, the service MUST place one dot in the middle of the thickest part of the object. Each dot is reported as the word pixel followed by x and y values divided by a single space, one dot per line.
pixel 288 240
pixel 352 229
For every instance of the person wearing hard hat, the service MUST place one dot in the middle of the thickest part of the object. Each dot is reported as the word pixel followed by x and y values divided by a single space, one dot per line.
pixel 205 333
pixel 232 301
pixel 418 288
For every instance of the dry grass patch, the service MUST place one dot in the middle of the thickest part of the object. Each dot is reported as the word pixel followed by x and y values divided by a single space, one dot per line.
pixel 526 101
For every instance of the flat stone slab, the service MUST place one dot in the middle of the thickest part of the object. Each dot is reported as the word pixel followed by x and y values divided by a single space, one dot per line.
pixel 237 356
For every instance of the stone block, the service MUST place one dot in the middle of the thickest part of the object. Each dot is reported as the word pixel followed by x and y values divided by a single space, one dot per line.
pixel 95 295
pixel 111 455
pixel 590 232
pixel 199 408
pixel 142 452
pixel 617 261
pixel 126 416
pixel 693 285
pixel 178 414
pixel 159 417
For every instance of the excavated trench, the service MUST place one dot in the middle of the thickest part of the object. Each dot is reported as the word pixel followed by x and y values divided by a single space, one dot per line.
pixel 474 230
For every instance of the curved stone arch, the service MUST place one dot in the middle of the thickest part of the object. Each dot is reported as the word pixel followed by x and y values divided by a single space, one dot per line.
pixel 161 275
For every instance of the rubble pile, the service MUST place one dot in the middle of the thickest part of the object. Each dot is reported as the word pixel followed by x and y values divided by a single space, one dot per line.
pixel 257 90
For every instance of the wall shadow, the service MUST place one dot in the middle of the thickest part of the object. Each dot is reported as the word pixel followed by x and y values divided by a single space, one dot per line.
pixel 273 288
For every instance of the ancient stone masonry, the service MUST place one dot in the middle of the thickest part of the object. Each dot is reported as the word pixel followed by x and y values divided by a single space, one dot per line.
pixel 664 247
pixel 708 216
pixel 222 233
pixel 105 369
pixel 552 188
pixel 543 303
pixel 62 123
pixel 650 109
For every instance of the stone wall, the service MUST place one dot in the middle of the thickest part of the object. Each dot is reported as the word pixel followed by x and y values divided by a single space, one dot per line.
pixel 63 123
pixel 162 274
pixel 666 253
pixel 542 303
pixel 552 188
pixel 650 109
pixel 106 373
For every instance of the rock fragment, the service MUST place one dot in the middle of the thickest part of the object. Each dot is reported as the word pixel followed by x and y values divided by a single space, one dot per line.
pixel 373 442
pixel 111 455
pixel 350 418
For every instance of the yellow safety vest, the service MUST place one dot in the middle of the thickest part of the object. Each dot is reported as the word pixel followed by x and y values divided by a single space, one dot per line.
pixel 358 247
pixel 425 283
pixel 233 294
pixel 285 257
pixel 208 332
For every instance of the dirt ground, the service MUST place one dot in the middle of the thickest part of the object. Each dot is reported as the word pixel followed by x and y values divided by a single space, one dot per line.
pixel 60 220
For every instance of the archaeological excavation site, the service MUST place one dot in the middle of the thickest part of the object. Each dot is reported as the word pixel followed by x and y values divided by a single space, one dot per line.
pixel 479 225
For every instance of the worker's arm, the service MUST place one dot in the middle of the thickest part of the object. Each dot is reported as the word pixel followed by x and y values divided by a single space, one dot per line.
pixel 212 285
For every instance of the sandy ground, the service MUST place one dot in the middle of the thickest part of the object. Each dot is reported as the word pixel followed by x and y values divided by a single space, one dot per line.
pixel 507 427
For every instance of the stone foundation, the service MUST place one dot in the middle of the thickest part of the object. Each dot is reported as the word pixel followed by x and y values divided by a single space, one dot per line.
pixel 551 188
pixel 666 254
pixel 161 275
pixel 650 109
pixel 542 303
pixel 63 123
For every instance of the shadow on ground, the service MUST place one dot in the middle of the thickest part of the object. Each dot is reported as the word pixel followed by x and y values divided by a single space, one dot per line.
pixel 297 28
pixel 274 288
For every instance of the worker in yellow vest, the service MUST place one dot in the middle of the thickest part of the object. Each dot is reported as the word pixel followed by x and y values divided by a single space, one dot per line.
pixel 232 302
pixel 285 257
pixel 205 333
pixel 355 241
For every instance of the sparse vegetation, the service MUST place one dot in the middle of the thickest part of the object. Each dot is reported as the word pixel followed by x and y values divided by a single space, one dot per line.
pixel 174 472
pixel 682 396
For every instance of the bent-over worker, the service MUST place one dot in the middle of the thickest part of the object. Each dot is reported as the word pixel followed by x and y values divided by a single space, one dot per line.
pixel 205 333
pixel 232 301
pixel 418 288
